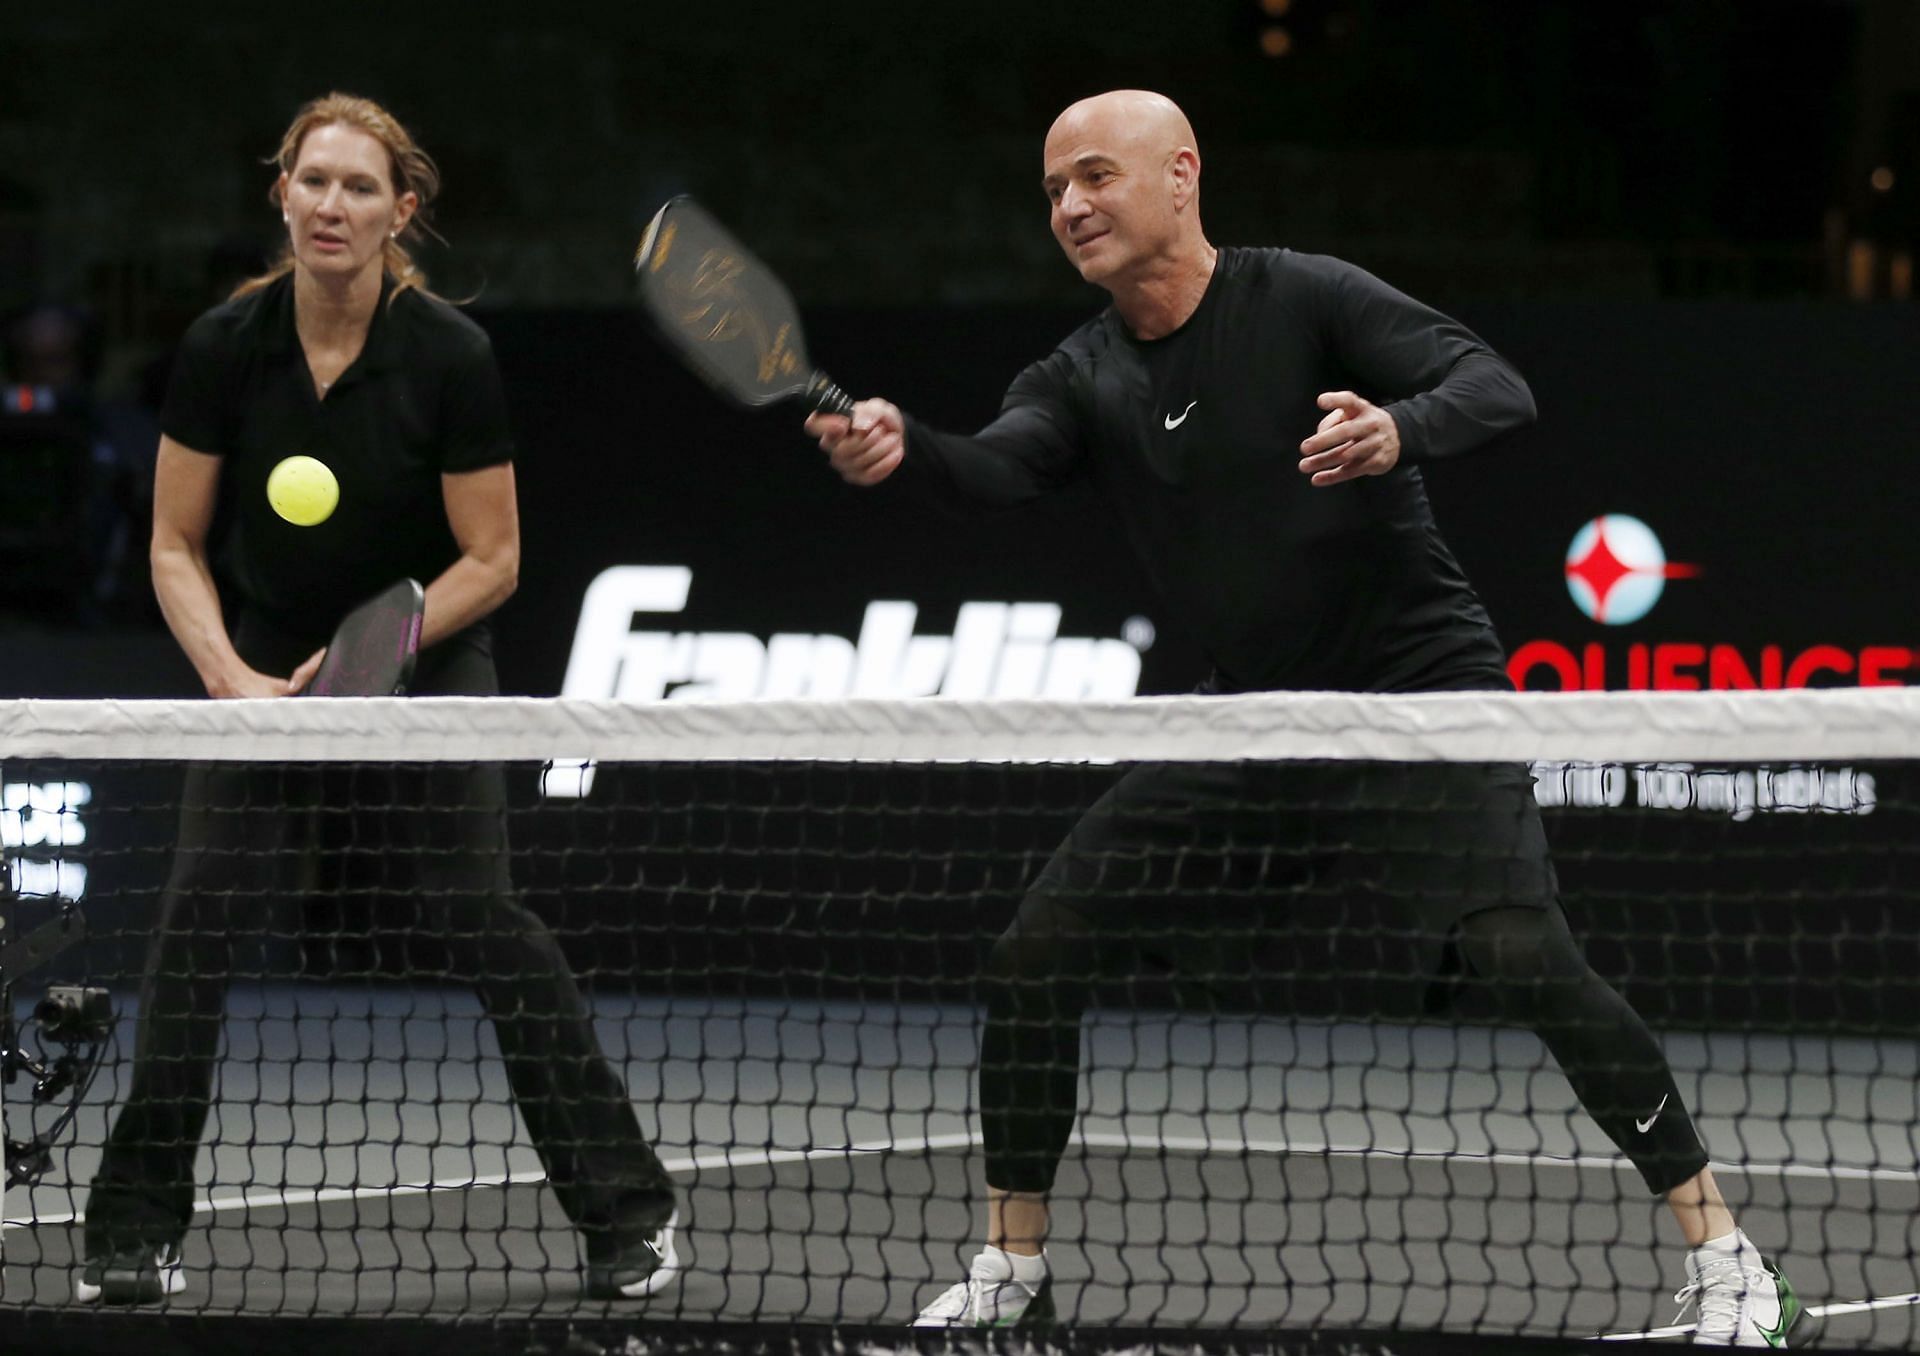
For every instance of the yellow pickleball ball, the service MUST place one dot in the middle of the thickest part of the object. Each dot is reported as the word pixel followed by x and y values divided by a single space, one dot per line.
pixel 303 491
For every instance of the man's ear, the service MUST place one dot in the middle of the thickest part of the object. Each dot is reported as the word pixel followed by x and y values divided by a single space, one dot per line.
pixel 1185 171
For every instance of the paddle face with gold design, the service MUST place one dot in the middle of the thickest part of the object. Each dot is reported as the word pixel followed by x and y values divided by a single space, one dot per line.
pixel 725 314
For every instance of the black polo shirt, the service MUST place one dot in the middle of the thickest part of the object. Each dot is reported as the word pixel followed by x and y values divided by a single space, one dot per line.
pixel 423 398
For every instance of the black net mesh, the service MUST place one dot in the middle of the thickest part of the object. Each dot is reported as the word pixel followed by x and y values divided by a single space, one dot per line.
pixel 416 1052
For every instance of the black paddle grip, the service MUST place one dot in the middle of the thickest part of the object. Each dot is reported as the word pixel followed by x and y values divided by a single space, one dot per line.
pixel 824 397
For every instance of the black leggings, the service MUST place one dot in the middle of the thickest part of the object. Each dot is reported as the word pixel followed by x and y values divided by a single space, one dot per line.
pixel 1102 908
pixel 247 837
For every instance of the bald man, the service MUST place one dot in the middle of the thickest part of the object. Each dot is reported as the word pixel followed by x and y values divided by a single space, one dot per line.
pixel 1258 419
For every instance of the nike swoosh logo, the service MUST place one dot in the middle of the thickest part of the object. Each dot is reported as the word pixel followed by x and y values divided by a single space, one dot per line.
pixel 1789 1312
pixel 1647 1124
pixel 1175 423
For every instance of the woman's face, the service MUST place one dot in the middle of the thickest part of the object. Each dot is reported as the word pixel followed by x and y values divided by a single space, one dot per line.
pixel 340 203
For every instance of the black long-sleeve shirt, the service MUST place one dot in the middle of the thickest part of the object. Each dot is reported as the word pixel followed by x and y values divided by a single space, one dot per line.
pixel 1194 438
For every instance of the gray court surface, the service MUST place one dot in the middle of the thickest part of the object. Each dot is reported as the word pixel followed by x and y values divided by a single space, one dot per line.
pixel 1230 1172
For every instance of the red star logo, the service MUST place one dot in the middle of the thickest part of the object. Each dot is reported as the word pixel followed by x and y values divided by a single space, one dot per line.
pixel 1600 569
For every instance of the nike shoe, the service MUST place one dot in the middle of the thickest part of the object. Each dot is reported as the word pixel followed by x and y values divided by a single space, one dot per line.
pixel 1744 1300
pixel 992 1297
pixel 139 1275
pixel 632 1263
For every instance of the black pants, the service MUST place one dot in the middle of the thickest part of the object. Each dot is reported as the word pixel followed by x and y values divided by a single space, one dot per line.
pixel 248 838
pixel 1187 867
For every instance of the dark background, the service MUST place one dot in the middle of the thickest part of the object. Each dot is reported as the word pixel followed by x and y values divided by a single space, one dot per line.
pixel 1691 225
pixel 1527 164
pixel 888 153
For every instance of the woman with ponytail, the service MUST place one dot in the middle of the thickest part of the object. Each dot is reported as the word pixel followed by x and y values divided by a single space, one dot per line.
pixel 339 353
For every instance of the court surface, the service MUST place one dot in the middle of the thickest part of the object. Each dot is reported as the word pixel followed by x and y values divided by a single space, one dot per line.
pixel 1233 1172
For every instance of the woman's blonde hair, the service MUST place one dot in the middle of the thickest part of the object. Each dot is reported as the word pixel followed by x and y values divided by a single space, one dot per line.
pixel 411 169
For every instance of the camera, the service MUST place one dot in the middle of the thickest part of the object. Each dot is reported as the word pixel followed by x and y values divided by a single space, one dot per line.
pixel 74 1015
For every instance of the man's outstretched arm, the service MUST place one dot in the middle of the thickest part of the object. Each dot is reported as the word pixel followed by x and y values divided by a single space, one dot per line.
pixel 1021 455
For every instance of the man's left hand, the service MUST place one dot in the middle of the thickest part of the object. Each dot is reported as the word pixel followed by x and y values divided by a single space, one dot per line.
pixel 1357 438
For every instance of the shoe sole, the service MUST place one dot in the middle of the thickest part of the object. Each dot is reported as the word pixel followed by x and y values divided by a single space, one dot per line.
pixel 133 1286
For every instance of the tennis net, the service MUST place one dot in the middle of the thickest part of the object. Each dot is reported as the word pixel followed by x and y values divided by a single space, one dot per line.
pixel 1306 1111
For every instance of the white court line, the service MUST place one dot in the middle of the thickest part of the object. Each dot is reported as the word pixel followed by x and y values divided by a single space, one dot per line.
pixel 1813 1311
pixel 1777 1170
pixel 726 1158
pixel 1200 1144
pixel 734 1158
pixel 738 1158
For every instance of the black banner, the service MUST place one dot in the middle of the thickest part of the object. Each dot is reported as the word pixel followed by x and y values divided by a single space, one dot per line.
pixel 1709 500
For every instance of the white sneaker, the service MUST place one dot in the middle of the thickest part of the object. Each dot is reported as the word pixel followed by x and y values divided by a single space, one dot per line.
pixel 1744 1300
pixel 131 1276
pixel 993 1297
pixel 633 1264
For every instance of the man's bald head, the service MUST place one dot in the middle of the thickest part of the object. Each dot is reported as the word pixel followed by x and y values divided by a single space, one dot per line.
pixel 1139 118
pixel 1123 173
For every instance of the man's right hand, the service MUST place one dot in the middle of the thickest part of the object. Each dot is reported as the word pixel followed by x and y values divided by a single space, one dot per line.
pixel 866 448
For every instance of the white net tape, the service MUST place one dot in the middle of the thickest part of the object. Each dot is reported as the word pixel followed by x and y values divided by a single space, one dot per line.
pixel 1736 727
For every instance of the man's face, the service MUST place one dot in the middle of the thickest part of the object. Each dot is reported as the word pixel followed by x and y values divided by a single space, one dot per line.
pixel 1112 204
